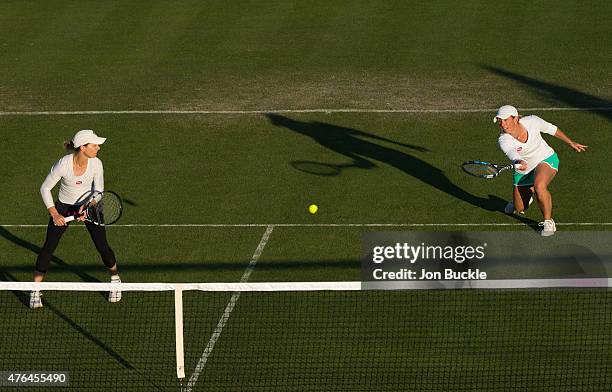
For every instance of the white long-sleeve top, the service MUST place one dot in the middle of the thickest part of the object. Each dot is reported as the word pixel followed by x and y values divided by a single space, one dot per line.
pixel 535 149
pixel 73 189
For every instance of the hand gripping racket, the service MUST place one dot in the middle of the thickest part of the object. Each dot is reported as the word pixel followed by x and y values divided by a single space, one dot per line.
pixel 486 169
pixel 103 209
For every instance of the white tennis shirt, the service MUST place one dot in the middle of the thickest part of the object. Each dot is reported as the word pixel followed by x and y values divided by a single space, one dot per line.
pixel 73 189
pixel 535 149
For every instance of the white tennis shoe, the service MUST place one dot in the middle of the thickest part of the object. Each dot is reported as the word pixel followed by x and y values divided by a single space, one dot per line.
pixel 35 300
pixel 114 295
pixel 549 227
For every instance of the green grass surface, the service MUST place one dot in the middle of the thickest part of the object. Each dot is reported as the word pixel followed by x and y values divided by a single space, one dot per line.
pixel 417 341
pixel 241 169
pixel 142 54
pixel 103 347
pixel 397 168
pixel 547 340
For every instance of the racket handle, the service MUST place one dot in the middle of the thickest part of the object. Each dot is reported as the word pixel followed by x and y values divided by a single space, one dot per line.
pixel 69 218
pixel 517 166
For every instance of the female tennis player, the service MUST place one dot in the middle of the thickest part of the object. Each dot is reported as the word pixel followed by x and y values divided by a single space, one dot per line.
pixel 80 173
pixel 521 140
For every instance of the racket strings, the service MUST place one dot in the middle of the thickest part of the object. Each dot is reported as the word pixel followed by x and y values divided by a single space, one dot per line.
pixel 104 208
pixel 480 170
pixel 109 209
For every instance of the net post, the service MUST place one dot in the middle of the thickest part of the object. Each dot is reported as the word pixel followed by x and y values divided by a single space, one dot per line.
pixel 178 323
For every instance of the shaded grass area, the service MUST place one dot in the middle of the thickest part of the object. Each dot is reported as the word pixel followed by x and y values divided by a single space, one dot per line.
pixel 143 255
pixel 421 341
pixel 220 55
pixel 103 347
pixel 543 340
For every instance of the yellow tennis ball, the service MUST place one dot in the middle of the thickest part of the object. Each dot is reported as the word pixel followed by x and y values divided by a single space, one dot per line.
pixel 313 208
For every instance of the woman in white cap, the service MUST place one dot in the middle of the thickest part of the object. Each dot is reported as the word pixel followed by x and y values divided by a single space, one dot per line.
pixel 80 173
pixel 521 140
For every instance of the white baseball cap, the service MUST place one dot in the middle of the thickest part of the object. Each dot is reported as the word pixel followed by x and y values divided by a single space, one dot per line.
pixel 86 136
pixel 504 112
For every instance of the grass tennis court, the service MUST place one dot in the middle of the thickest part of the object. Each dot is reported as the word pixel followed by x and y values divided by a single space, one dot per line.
pixel 311 341
pixel 365 108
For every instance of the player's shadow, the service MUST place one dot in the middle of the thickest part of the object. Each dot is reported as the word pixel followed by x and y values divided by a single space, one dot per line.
pixel 360 147
pixel 23 297
pixel 36 250
pixel 558 93
pixel 130 202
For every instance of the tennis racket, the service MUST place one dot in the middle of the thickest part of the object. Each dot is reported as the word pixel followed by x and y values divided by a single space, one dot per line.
pixel 102 209
pixel 486 169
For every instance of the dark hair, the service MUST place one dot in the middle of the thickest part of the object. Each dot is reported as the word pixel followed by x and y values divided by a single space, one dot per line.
pixel 68 145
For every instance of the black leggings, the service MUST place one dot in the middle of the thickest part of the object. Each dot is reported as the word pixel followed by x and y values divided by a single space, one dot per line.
pixel 54 233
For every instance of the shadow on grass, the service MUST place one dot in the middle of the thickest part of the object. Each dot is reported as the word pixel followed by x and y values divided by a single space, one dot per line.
pixel 297 265
pixel 23 297
pixel 550 91
pixel 130 202
pixel 561 262
pixel 361 148
pixel 36 250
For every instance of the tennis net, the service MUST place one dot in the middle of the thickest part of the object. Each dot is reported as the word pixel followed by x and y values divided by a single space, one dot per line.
pixel 545 335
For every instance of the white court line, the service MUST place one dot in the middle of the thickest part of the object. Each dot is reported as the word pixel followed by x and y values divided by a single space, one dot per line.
pixel 320 110
pixel 335 224
pixel 228 311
